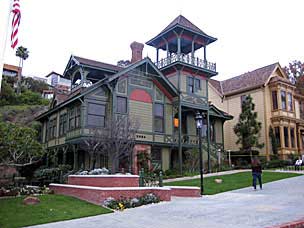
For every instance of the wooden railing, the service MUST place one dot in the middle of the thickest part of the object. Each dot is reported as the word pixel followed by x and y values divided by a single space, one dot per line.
pixel 186 59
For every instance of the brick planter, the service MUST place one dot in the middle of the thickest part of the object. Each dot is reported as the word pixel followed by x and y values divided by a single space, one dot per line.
pixel 104 180
pixel 97 195
pixel 183 191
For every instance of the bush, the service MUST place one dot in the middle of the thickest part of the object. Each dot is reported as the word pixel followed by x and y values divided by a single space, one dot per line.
pixel 277 163
pixel 123 203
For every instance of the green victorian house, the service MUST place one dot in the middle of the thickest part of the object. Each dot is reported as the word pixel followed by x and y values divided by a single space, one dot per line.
pixel 164 96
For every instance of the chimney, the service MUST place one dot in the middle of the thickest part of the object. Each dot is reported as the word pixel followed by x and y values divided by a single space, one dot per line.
pixel 137 49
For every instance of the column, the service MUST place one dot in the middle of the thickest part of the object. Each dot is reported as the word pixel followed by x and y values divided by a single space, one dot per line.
pixel 75 151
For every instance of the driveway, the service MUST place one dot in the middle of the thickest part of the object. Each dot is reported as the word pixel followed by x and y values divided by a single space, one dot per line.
pixel 278 202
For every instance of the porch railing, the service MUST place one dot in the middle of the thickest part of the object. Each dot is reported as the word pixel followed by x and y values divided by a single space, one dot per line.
pixel 195 61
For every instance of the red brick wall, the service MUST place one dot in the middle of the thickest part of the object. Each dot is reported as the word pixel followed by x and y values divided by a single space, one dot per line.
pixel 294 224
pixel 98 195
pixel 104 180
pixel 185 191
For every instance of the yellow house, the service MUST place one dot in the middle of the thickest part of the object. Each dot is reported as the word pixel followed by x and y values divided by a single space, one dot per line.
pixel 277 103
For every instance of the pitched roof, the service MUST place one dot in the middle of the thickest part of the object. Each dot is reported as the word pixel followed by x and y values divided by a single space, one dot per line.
pixel 249 80
pixel 216 84
pixel 184 22
pixel 51 73
pixel 98 64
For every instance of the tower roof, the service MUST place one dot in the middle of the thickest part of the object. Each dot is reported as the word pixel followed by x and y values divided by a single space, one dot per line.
pixel 183 22
pixel 181 25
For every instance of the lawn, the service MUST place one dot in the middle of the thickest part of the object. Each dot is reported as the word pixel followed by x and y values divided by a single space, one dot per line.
pixel 231 181
pixel 52 208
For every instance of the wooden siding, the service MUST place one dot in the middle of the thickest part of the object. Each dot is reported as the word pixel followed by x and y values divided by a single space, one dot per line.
pixel 168 119
pixel 143 113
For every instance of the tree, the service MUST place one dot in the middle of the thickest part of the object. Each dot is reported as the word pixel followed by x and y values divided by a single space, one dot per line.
pixel 248 128
pixel 294 70
pixel 34 85
pixel 18 145
pixel 116 140
pixel 120 139
pixel 23 54
pixel 94 145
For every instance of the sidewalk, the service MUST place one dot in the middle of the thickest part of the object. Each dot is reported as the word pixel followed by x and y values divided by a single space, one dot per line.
pixel 206 175
pixel 228 172
pixel 277 203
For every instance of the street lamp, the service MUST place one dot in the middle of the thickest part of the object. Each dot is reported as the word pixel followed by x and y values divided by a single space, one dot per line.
pixel 199 124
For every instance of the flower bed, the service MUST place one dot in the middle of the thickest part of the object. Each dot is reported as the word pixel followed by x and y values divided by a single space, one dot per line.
pixel 123 203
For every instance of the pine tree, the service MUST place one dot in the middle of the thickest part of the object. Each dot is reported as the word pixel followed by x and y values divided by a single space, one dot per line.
pixel 248 128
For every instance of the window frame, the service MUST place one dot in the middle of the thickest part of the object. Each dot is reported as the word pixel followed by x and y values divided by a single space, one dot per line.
pixel 283 101
pixel 274 97
pixel 277 133
pixel 289 102
pixel 292 137
pixel 119 110
pixel 100 115
pixel 286 136
pixel 159 118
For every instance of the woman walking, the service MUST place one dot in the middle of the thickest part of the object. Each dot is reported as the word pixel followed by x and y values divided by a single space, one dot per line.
pixel 256 172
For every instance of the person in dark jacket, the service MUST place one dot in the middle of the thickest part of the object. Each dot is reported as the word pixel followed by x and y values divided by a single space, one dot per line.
pixel 256 172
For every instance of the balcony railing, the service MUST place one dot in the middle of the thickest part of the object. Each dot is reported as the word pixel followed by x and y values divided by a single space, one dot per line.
pixel 195 61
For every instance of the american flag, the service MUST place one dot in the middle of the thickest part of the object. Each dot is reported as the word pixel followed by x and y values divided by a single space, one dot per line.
pixel 15 23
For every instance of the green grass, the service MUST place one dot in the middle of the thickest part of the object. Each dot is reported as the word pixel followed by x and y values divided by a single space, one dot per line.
pixel 231 181
pixel 52 208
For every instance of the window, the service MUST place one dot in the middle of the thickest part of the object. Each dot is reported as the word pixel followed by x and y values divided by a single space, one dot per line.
pixel 278 135
pixel 96 115
pixel 274 100
pixel 292 138
pixel 74 117
pixel 301 104
pixel 122 86
pixel 190 84
pixel 159 118
pixel 283 99
pixel 197 84
pixel 194 84
pixel 71 119
pixel 63 124
pixel 77 117
pixel 289 100
pixel 52 128
pixel 121 104
pixel 286 141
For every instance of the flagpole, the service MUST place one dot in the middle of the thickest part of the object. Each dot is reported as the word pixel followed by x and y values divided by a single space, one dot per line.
pixel 3 45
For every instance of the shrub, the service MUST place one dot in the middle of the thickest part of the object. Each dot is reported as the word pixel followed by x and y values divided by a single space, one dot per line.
pixel 123 203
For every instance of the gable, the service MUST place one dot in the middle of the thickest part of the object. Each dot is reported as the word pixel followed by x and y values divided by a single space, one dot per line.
pixel 144 74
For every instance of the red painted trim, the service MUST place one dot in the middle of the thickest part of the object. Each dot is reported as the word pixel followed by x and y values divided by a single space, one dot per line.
pixel 140 95
pixel 167 94
pixel 193 73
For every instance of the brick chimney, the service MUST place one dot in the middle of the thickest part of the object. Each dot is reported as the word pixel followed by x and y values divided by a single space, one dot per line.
pixel 137 49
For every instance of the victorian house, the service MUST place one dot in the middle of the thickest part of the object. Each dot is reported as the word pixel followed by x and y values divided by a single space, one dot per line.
pixel 163 95
pixel 278 104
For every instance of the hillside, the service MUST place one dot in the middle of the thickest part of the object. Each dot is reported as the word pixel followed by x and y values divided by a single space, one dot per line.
pixel 21 114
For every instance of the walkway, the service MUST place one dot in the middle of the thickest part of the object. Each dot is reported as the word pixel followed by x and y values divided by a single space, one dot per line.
pixel 278 202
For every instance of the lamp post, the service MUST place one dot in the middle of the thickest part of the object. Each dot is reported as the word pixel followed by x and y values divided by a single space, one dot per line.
pixel 199 124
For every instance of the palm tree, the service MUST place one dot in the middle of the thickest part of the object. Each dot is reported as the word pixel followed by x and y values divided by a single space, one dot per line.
pixel 23 54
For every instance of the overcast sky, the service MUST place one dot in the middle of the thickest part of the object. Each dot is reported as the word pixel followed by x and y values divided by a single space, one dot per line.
pixel 251 34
